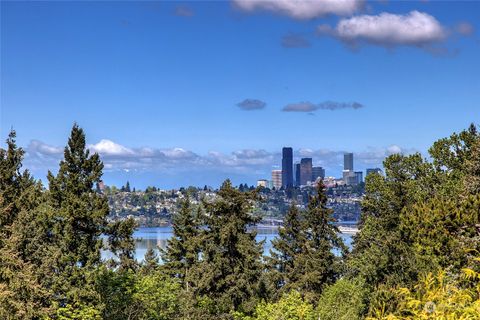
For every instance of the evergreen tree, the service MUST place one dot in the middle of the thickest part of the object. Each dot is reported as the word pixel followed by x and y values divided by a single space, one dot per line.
pixel 316 265
pixel 81 215
pixel 380 243
pixel 230 266
pixel 23 241
pixel 121 243
pixel 11 181
pixel 472 167
pixel 183 248
pixel 286 247
pixel 416 218
pixel 150 262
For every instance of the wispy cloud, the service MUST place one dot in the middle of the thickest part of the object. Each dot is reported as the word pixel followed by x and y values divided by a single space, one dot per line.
pixel 388 30
pixel 302 9
pixel 465 28
pixel 184 11
pixel 293 40
pixel 251 104
pixel 327 105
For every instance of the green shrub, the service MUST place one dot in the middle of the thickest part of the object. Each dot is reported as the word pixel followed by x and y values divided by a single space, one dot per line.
pixel 343 300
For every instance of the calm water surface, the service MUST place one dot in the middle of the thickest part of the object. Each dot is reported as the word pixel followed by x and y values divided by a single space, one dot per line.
pixel 156 237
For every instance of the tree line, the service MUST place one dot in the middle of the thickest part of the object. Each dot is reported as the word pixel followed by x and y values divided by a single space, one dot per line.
pixel 417 255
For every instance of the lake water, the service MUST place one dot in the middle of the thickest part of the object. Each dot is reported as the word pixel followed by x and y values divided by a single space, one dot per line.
pixel 156 237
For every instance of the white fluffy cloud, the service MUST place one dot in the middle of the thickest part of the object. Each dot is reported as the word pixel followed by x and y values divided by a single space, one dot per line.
pixel 389 30
pixel 257 162
pixel 108 147
pixel 302 9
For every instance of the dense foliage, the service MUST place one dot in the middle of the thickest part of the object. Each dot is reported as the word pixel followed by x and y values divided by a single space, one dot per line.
pixel 415 257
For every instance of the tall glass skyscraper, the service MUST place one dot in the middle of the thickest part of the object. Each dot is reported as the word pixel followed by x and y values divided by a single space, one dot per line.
pixel 287 167
pixel 297 174
pixel 348 161
pixel 305 171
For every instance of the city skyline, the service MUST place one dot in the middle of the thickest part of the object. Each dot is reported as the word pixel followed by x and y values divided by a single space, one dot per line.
pixel 307 174
pixel 175 94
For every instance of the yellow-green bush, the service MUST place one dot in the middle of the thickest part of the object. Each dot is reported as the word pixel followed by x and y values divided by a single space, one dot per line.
pixel 439 297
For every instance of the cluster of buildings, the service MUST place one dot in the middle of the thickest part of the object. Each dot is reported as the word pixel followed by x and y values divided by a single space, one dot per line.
pixel 306 174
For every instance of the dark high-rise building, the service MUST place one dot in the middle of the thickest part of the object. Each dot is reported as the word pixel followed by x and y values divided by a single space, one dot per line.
pixel 348 161
pixel 358 177
pixel 287 167
pixel 305 171
pixel 318 172
pixel 297 174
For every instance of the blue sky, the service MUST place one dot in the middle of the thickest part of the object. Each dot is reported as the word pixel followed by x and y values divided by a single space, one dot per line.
pixel 158 86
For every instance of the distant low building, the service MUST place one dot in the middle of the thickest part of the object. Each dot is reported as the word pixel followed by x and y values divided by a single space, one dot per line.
pixel 330 182
pixel 374 170
pixel 262 183
pixel 349 177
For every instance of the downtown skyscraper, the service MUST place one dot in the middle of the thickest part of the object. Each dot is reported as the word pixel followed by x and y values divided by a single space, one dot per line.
pixel 305 171
pixel 287 167
pixel 348 162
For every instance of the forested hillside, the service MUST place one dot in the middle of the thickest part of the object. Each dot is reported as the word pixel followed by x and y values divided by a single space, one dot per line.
pixel 417 255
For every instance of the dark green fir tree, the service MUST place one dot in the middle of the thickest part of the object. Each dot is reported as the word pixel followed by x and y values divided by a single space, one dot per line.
pixel 24 242
pixel 81 214
pixel 317 266
pixel 230 266
pixel 182 251
pixel 289 243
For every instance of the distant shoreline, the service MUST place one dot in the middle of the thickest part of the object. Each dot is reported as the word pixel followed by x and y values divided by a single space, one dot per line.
pixel 346 227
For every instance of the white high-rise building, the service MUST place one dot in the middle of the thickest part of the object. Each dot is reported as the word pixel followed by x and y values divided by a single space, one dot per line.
pixel 277 179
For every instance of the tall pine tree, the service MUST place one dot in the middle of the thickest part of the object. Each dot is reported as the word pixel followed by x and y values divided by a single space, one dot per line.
pixel 230 266
pixel 289 243
pixel 183 249
pixel 81 218
pixel 317 266
pixel 23 242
